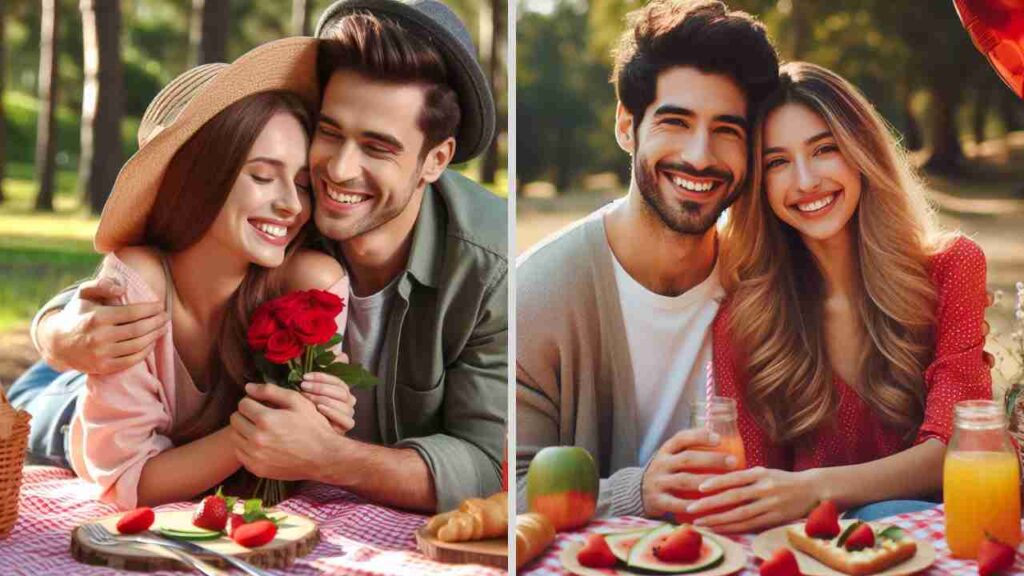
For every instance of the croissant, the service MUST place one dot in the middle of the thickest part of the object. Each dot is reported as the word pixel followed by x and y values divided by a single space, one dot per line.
pixel 534 533
pixel 476 519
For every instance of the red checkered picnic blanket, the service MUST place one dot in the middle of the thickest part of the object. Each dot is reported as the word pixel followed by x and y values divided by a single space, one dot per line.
pixel 928 525
pixel 356 537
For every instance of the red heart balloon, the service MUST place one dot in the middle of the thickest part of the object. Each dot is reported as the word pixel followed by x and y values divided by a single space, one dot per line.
pixel 997 29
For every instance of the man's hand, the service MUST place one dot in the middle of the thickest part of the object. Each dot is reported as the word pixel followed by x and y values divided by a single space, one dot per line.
pixel 280 435
pixel 332 398
pixel 759 497
pixel 666 474
pixel 92 337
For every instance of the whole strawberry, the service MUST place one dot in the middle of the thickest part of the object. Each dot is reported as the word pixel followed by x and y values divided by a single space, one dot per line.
pixel 136 521
pixel 862 537
pixel 823 521
pixel 212 513
pixel 994 557
pixel 781 563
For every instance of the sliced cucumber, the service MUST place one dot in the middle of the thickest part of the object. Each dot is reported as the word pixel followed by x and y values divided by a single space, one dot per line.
pixel 189 534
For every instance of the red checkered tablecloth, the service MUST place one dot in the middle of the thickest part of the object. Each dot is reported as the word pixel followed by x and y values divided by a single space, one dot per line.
pixel 356 538
pixel 928 525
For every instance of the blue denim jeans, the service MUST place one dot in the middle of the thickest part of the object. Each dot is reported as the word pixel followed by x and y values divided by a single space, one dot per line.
pixel 50 397
pixel 879 510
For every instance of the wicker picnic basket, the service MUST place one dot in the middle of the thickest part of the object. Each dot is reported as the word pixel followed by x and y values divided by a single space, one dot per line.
pixel 13 441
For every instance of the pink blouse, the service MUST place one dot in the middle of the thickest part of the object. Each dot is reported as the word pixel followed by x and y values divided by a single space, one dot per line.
pixel 957 372
pixel 124 419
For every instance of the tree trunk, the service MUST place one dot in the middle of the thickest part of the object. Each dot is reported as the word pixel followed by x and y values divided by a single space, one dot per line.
pixel 912 139
pixel 46 127
pixel 102 101
pixel 1009 109
pixel 800 17
pixel 3 125
pixel 208 34
pixel 983 96
pixel 300 17
pixel 946 154
pixel 494 24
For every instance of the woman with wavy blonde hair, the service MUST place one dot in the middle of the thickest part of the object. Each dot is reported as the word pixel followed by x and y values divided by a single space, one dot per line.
pixel 853 324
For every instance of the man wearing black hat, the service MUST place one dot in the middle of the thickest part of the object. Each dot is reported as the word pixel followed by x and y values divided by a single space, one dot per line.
pixel 403 96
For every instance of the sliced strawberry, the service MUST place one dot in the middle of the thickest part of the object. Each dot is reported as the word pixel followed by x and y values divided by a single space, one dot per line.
pixel 994 557
pixel 136 521
pixel 862 537
pixel 235 521
pixel 682 545
pixel 212 513
pixel 781 563
pixel 254 534
pixel 596 553
pixel 823 521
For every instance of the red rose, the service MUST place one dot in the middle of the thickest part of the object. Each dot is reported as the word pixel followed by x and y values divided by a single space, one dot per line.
pixel 284 308
pixel 282 347
pixel 261 328
pixel 313 327
pixel 330 303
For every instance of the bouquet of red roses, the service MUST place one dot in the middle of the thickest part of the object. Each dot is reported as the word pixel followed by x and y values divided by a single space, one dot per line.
pixel 290 336
pixel 294 334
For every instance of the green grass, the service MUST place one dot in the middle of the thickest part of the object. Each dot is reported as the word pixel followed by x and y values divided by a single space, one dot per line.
pixel 40 253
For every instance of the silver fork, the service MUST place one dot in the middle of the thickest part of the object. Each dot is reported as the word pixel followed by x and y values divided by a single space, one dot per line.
pixel 102 537
pixel 99 536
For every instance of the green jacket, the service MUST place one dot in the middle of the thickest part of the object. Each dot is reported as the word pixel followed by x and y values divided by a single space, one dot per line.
pixel 446 395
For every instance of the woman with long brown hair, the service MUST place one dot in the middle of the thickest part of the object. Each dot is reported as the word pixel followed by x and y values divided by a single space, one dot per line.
pixel 208 217
pixel 853 323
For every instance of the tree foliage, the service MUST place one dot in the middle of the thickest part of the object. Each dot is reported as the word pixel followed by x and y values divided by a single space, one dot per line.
pixel 899 54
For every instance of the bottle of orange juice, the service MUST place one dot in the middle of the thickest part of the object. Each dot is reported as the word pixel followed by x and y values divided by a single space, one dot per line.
pixel 981 479
pixel 718 415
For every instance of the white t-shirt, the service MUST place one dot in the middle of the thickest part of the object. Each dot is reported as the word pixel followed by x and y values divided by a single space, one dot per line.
pixel 669 341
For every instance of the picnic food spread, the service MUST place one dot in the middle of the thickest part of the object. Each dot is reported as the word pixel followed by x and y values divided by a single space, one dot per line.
pixel 475 532
pixel 475 519
pixel 665 548
pixel 857 550
pixel 219 523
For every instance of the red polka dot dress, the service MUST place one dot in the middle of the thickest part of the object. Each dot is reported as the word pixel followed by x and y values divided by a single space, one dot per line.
pixel 958 372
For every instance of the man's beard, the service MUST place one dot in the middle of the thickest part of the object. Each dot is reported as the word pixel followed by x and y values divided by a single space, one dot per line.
pixel 682 217
pixel 378 216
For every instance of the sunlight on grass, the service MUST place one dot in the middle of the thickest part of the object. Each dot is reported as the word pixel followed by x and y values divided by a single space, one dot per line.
pixel 40 253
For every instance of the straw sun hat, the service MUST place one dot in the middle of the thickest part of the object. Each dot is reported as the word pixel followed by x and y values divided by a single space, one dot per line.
pixel 182 108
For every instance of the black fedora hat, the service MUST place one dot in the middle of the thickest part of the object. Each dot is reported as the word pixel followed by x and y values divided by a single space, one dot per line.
pixel 439 24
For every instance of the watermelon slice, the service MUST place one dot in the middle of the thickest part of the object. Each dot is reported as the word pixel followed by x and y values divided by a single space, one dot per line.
pixel 641 555
pixel 622 542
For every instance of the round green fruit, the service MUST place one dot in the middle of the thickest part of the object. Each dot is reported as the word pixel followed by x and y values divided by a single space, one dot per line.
pixel 562 484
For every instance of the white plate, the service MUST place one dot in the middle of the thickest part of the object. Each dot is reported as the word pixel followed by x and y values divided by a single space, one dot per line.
pixel 735 560
pixel 768 542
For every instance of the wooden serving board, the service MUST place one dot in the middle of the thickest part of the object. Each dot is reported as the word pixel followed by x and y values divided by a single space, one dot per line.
pixel 492 552
pixel 296 537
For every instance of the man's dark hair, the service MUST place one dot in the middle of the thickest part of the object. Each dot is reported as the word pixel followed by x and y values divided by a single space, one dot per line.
pixel 703 34
pixel 381 49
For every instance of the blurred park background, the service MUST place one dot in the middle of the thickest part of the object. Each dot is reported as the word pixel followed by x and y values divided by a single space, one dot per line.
pixel 76 77
pixel 911 58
